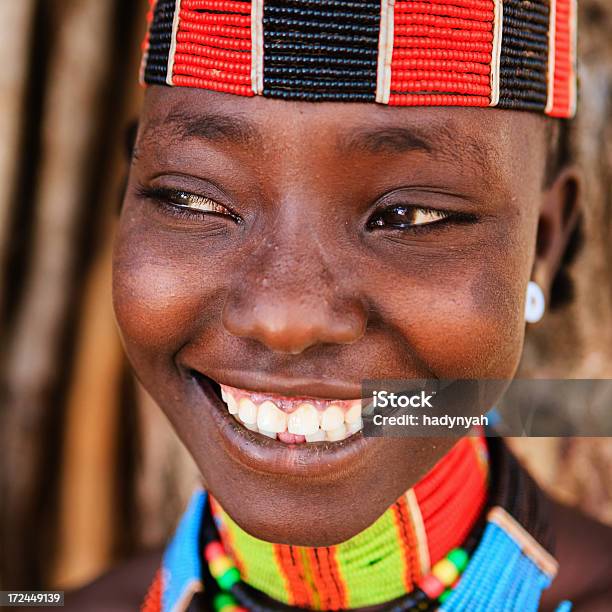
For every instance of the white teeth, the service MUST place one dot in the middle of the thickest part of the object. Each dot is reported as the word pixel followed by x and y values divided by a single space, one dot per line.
pixel 353 414
pixel 336 434
pixel 232 404
pixel 317 421
pixel 304 420
pixel 271 418
pixel 332 418
pixel 247 411
pixel 317 436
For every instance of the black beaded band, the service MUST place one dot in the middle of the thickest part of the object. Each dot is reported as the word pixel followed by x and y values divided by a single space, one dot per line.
pixel 524 55
pixel 160 35
pixel 322 38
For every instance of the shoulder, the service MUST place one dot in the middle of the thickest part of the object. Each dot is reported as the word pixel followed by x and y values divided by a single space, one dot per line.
pixel 583 549
pixel 122 588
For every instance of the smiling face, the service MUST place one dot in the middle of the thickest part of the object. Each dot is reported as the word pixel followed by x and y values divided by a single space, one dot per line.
pixel 292 250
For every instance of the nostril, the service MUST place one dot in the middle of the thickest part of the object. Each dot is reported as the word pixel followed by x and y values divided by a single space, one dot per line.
pixel 290 340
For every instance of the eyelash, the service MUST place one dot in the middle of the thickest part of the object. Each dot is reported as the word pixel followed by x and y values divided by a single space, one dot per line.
pixel 166 198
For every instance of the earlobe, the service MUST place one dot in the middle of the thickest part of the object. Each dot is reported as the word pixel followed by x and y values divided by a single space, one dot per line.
pixel 558 221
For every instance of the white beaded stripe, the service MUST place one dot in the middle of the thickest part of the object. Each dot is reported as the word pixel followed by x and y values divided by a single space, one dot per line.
pixel 498 29
pixel 385 51
pixel 418 526
pixel 172 52
pixel 257 45
pixel 143 66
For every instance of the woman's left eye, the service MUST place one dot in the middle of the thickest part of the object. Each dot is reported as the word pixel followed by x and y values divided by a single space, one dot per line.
pixel 404 217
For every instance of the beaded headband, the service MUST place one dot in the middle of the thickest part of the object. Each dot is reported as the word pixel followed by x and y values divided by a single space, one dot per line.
pixel 513 54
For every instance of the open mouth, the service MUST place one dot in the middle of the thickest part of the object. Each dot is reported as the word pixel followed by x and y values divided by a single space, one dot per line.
pixel 292 420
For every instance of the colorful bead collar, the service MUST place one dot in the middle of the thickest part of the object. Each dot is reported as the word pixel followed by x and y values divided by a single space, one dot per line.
pixel 504 53
pixel 508 570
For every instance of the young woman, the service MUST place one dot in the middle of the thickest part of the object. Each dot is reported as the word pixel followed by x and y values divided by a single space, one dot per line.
pixel 319 196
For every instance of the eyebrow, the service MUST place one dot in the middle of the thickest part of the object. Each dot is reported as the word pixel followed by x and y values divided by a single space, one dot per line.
pixel 385 140
pixel 213 127
pixel 441 140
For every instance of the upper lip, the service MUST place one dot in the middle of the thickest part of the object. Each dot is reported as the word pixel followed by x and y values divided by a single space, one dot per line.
pixel 326 388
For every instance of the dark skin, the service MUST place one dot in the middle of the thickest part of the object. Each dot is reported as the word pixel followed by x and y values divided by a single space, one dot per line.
pixel 308 273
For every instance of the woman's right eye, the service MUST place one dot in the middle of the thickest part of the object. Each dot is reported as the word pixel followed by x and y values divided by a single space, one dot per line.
pixel 186 202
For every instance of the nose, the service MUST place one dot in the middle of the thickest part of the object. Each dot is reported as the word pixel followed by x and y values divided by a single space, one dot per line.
pixel 290 301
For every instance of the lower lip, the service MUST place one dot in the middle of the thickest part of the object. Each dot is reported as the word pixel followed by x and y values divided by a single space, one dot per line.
pixel 258 452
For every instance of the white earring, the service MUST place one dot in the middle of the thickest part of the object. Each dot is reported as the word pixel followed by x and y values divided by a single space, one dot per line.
pixel 534 303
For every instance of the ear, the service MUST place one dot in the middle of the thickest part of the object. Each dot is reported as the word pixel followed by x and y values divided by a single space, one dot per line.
pixel 560 214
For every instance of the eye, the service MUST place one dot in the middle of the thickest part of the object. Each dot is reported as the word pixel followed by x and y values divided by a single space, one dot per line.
pixel 404 217
pixel 194 202
pixel 185 202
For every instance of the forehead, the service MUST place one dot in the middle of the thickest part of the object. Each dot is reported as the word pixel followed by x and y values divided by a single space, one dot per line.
pixel 483 138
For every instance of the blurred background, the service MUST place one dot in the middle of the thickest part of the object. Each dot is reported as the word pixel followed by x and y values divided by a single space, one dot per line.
pixel 90 471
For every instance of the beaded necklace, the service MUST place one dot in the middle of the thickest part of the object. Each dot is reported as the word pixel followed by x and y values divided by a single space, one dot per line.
pixel 380 564
pixel 508 569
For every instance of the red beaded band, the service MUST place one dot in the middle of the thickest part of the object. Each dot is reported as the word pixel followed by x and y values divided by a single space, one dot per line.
pixel 444 28
pixel 562 59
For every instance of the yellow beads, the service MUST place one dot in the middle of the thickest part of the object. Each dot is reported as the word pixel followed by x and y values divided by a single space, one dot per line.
pixel 220 565
pixel 445 571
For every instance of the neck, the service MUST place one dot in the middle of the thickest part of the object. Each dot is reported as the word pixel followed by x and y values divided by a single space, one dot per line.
pixel 383 562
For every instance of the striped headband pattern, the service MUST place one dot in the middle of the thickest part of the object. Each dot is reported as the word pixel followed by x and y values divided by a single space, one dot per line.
pixel 513 54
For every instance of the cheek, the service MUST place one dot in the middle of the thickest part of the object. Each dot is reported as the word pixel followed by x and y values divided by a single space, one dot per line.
pixel 149 301
pixel 475 327
pixel 157 296
pixel 463 318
